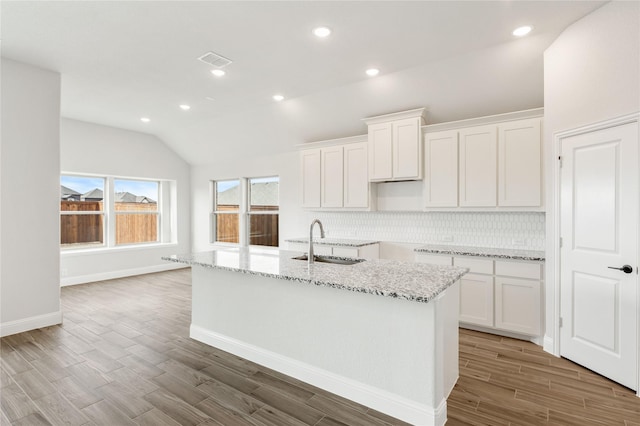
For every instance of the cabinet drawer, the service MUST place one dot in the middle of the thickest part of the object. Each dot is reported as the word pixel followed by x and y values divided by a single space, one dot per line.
pixel 519 269
pixel 345 251
pixel 434 259
pixel 477 266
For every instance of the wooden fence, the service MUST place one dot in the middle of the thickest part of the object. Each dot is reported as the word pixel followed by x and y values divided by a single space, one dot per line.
pixel 263 227
pixel 85 229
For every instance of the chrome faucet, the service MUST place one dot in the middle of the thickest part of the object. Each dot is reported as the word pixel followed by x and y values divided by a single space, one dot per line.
pixel 310 255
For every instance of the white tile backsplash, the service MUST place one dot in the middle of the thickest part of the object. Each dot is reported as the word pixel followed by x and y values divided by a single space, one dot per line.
pixel 480 229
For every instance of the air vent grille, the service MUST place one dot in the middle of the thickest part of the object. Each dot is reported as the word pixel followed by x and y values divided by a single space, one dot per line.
pixel 215 60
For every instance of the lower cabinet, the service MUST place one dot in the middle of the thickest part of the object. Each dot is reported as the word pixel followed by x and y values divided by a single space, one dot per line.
pixel 497 294
pixel 371 251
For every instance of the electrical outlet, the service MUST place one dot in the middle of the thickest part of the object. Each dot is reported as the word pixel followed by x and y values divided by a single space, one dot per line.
pixel 519 242
pixel 446 238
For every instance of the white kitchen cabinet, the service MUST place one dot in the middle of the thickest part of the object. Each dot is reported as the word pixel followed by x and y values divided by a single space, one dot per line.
pixel 517 305
pixel 490 167
pixel 478 166
pixel 331 176
pixel 356 188
pixel 476 299
pixel 497 295
pixel 434 259
pixel 519 163
pixel 335 177
pixel 441 169
pixel 310 177
pixel 395 146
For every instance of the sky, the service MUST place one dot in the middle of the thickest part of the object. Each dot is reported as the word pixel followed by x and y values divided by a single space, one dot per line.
pixel 84 184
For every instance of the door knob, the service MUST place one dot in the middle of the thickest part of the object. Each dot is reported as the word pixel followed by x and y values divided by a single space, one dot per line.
pixel 627 269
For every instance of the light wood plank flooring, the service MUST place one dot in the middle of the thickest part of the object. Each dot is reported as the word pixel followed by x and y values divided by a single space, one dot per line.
pixel 123 357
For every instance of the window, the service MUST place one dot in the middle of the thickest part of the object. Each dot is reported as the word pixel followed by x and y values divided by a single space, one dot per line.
pixel 107 211
pixel 226 211
pixel 245 211
pixel 82 216
pixel 136 209
pixel 263 211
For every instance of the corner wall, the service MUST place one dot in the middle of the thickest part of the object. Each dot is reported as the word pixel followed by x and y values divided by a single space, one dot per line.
pixel 102 150
pixel 29 194
pixel 592 73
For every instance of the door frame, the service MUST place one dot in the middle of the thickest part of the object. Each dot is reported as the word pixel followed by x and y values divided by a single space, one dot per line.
pixel 552 334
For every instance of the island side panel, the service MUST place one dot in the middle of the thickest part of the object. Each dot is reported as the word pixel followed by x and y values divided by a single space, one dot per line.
pixel 379 351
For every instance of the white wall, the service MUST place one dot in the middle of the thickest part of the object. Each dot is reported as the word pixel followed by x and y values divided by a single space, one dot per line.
pixel 96 149
pixel 292 218
pixel 29 190
pixel 592 73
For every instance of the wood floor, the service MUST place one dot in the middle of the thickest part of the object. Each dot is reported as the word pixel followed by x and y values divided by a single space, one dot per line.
pixel 123 357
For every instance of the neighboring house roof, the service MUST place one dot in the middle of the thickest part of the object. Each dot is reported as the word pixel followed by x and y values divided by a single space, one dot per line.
pixel 127 197
pixel 262 194
pixel 94 194
pixel 66 193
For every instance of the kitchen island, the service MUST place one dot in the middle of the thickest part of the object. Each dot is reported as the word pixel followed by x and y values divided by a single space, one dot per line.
pixel 382 333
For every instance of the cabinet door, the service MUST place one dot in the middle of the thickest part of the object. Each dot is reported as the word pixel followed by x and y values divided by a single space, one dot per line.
pixel 380 152
pixel 310 168
pixel 519 168
pixel 518 305
pixel 478 161
pixel 331 182
pixel 441 169
pixel 407 149
pixel 346 252
pixel 476 299
pixel 356 180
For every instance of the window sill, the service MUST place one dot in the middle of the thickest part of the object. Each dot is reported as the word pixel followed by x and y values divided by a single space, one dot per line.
pixel 118 249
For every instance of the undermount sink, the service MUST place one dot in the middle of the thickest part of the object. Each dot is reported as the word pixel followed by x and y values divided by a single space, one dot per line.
pixel 330 259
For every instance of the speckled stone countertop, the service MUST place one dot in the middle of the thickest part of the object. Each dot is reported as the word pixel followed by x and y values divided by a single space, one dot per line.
pixel 495 253
pixel 418 282
pixel 344 242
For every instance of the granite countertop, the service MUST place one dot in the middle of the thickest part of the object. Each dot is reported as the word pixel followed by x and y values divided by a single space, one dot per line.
pixel 344 242
pixel 418 282
pixel 495 253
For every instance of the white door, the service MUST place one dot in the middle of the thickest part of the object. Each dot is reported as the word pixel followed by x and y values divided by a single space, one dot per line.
pixel 599 230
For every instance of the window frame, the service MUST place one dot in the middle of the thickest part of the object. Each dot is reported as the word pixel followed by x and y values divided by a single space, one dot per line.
pixel 244 212
pixel 165 212
pixel 103 213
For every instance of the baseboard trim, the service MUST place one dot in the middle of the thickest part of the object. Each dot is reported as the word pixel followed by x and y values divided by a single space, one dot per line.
pixel 31 323
pixel 548 345
pixel 378 399
pixel 90 278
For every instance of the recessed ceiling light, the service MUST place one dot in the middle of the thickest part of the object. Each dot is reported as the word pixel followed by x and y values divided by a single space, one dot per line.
pixel 321 32
pixel 278 98
pixel 145 119
pixel 522 31
pixel 185 107
pixel 218 73
pixel 372 72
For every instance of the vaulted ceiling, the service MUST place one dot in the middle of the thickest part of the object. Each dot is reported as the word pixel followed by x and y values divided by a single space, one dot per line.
pixel 123 60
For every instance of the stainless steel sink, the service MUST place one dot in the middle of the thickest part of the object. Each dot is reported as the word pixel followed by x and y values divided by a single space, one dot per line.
pixel 330 259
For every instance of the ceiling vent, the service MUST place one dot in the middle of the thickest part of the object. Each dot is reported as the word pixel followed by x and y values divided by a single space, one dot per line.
pixel 215 60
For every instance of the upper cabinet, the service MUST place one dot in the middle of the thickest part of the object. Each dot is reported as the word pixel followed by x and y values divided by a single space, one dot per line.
pixel 478 166
pixel 335 177
pixel 520 166
pixel 395 146
pixel 485 167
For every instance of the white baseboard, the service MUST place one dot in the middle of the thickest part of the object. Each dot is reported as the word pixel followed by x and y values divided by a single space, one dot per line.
pixel 548 345
pixel 394 405
pixel 31 323
pixel 90 278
